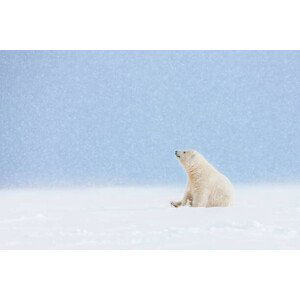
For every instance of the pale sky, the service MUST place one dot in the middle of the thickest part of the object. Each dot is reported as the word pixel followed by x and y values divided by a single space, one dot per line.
pixel 116 117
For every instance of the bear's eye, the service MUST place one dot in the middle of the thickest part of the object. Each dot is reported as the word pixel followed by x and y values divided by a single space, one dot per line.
pixel 183 152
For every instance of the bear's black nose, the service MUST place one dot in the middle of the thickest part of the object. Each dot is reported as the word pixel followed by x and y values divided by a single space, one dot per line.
pixel 176 153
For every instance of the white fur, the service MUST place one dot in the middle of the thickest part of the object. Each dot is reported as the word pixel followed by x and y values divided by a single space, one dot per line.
pixel 206 186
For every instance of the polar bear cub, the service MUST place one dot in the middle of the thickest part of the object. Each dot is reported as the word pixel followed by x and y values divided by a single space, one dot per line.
pixel 206 186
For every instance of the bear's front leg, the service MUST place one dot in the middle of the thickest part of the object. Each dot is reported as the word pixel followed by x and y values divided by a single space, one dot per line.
pixel 200 199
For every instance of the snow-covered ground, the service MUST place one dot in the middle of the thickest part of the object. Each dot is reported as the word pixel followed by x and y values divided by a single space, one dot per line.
pixel 263 217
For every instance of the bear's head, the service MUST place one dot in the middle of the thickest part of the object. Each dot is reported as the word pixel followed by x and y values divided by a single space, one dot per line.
pixel 187 157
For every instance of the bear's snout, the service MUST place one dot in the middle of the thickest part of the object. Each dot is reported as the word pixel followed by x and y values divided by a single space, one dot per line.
pixel 176 153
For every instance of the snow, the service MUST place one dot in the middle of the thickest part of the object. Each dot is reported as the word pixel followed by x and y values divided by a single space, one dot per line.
pixel 263 217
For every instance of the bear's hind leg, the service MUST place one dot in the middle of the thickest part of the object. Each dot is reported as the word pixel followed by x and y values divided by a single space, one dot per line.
pixel 186 199
pixel 176 204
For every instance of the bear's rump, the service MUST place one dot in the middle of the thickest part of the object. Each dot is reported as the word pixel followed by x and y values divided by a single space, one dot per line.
pixel 220 196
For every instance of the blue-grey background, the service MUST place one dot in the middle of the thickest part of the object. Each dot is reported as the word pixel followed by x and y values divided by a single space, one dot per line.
pixel 116 117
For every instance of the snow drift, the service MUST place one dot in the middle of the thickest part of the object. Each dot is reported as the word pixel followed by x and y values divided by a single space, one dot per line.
pixel 262 217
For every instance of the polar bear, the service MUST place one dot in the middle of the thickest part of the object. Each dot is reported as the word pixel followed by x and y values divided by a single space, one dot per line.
pixel 206 186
